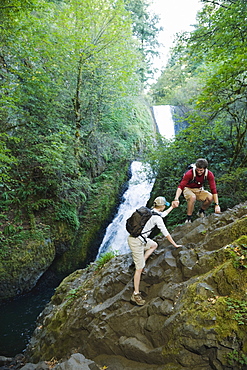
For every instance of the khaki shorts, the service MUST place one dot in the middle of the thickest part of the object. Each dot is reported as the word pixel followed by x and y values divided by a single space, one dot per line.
pixel 200 193
pixel 138 249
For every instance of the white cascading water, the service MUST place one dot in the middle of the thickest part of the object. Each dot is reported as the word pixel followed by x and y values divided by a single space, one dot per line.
pixel 138 192
pixel 135 196
pixel 164 120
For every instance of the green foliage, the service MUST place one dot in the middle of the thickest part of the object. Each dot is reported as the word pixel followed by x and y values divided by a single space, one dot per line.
pixel 145 29
pixel 72 295
pixel 239 253
pixel 206 77
pixel 104 258
pixel 10 9
pixel 237 359
pixel 238 309
pixel 170 159
pixel 205 80
pixel 7 160
pixel 13 240
pixel 168 88
pixel 65 212
pixel 232 187
pixel 70 106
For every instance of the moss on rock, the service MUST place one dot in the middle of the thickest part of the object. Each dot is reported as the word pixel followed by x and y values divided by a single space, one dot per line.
pixel 23 262
pixel 220 237
pixel 96 211
pixel 210 313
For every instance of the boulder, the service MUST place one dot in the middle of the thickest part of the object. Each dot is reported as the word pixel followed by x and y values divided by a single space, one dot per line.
pixel 24 264
pixel 195 315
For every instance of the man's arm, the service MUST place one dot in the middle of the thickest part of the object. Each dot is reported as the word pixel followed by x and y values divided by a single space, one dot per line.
pixel 216 202
pixel 187 177
pixel 175 202
pixel 212 185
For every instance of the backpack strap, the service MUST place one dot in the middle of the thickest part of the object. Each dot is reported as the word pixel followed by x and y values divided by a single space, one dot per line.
pixel 153 214
pixel 194 173
pixel 193 168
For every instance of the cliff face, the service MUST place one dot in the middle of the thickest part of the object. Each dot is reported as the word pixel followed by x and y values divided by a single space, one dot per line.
pixel 195 315
pixel 58 243
pixel 20 274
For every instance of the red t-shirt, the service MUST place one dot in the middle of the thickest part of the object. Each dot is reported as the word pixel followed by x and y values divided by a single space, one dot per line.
pixel 188 176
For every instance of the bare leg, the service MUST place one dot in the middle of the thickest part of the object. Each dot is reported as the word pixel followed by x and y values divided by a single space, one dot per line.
pixel 137 278
pixel 150 251
pixel 207 203
pixel 191 204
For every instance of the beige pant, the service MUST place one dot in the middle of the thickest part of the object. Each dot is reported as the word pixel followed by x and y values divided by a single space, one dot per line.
pixel 138 249
pixel 200 193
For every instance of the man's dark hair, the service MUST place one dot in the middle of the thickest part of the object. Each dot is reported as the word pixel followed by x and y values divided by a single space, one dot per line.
pixel 201 163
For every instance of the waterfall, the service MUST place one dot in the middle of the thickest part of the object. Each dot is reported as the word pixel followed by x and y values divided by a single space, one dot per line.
pixel 136 195
pixel 164 120
pixel 138 192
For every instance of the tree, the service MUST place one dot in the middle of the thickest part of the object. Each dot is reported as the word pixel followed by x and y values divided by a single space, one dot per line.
pixel 220 40
pixel 145 29
pixel 208 74
pixel 68 71
pixel 207 77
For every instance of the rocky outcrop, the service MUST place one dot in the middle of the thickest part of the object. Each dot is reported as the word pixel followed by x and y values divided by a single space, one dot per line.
pixel 195 315
pixel 76 362
pixel 19 275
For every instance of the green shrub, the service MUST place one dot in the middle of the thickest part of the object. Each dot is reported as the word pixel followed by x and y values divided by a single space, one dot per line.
pixel 237 359
pixel 104 258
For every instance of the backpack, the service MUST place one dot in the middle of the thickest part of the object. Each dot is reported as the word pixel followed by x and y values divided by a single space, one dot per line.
pixel 193 167
pixel 136 222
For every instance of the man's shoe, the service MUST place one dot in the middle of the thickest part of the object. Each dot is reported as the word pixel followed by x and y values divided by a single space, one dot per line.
pixel 137 299
pixel 201 214
pixel 188 221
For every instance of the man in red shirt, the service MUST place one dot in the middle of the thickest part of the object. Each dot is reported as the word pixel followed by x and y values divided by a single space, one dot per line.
pixel 191 186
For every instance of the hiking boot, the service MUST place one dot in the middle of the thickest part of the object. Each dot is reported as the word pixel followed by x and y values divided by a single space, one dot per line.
pixel 188 221
pixel 137 299
pixel 201 214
